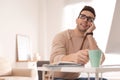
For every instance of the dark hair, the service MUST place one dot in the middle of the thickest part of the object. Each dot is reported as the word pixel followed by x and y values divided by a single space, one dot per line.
pixel 88 8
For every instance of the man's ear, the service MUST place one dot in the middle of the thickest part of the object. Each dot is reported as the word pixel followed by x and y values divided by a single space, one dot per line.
pixel 77 21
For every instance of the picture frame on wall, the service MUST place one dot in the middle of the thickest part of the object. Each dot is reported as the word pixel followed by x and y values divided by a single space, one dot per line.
pixel 23 48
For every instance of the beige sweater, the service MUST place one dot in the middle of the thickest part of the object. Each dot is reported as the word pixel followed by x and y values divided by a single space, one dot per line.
pixel 66 43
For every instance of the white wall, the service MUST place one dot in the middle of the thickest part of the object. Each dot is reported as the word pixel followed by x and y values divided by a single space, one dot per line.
pixel 18 17
pixel 34 18
pixel 50 24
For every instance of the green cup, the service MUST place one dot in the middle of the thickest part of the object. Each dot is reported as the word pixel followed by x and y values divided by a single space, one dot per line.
pixel 95 56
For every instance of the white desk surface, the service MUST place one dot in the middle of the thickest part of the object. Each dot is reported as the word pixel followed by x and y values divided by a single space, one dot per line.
pixel 88 70
pixel 81 69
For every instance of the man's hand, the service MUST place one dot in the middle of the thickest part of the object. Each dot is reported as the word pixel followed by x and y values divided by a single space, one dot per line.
pixel 91 28
pixel 80 57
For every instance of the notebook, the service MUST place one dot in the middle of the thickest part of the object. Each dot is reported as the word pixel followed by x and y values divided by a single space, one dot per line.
pixel 64 64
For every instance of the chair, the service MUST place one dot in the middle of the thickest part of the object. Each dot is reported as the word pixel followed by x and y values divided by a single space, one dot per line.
pixel 39 64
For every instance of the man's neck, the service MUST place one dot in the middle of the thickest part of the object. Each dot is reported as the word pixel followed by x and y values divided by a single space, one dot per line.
pixel 78 33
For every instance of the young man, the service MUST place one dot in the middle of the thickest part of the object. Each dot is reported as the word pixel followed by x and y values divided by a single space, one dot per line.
pixel 73 45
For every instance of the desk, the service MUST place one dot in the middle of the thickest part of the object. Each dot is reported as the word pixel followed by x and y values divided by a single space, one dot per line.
pixel 80 69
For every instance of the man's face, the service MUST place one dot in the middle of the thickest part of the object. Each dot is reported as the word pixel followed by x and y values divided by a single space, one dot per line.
pixel 84 20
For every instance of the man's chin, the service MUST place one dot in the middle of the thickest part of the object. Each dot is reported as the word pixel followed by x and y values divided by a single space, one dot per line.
pixel 82 30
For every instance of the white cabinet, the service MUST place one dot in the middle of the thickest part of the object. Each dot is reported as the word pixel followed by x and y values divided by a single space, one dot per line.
pixel 30 65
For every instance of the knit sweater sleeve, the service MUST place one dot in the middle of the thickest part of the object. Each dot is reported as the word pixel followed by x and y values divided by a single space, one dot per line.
pixel 58 47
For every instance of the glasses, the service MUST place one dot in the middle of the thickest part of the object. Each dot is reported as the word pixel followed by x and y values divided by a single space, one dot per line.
pixel 89 19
